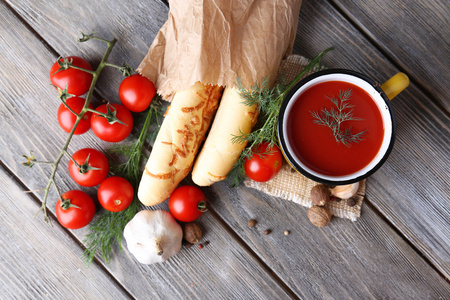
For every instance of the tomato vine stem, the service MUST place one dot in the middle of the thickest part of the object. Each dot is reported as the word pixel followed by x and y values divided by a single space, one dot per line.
pixel 95 75
pixel 82 69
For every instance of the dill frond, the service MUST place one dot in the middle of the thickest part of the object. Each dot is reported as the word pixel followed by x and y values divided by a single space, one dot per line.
pixel 334 118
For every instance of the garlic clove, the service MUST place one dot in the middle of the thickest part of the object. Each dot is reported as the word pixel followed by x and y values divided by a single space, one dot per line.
pixel 345 191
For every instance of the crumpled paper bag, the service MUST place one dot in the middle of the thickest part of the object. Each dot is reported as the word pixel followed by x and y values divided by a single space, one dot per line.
pixel 212 41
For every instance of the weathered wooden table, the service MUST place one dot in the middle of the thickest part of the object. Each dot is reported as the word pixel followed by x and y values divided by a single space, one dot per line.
pixel 398 249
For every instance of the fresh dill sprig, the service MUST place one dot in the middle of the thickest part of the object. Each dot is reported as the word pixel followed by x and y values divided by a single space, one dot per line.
pixel 130 169
pixel 107 229
pixel 269 102
pixel 334 118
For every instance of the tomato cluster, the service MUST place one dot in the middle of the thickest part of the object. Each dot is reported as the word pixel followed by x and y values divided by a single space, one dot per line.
pixel 109 122
pixel 88 167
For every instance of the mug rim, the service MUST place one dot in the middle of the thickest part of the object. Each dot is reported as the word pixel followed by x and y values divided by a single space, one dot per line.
pixel 282 136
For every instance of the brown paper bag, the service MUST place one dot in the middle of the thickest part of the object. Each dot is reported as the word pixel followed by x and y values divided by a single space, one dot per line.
pixel 213 40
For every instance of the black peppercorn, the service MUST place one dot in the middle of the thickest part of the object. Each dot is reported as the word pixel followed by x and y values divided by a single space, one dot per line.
pixel 351 202
pixel 251 223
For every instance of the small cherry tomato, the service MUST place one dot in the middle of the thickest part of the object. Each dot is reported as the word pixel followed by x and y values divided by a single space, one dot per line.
pixel 77 81
pixel 66 118
pixel 136 92
pixel 187 203
pixel 106 128
pixel 264 164
pixel 91 167
pixel 76 210
pixel 115 193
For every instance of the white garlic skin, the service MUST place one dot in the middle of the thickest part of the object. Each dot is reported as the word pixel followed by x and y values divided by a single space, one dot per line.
pixel 345 191
pixel 149 232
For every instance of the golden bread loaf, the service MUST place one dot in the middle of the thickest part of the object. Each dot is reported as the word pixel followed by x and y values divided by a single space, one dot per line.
pixel 182 131
pixel 219 154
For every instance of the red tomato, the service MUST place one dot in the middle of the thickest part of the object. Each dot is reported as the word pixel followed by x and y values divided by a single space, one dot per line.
pixel 187 203
pixel 114 131
pixel 264 164
pixel 115 193
pixel 136 92
pixel 66 118
pixel 85 175
pixel 76 210
pixel 77 81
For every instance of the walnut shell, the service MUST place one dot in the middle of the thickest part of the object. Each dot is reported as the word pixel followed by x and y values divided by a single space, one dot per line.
pixel 320 195
pixel 192 233
pixel 319 216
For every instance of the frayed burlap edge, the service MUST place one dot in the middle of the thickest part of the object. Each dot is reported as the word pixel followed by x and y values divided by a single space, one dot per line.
pixel 293 186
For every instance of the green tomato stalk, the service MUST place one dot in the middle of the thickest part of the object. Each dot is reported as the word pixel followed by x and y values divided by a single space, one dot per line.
pixel 63 96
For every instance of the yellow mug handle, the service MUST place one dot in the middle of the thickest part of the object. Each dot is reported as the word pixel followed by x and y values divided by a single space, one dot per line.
pixel 395 85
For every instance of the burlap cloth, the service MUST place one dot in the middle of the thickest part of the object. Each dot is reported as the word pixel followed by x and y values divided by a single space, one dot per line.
pixel 293 186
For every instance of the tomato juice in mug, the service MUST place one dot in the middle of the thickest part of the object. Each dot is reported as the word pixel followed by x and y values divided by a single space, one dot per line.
pixel 337 126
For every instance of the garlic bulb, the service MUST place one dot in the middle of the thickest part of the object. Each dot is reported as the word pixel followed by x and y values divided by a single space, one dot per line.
pixel 345 191
pixel 153 236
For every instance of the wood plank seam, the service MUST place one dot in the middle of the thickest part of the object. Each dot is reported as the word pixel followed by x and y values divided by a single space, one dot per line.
pixel 53 219
pixel 103 265
pixel 407 241
pixel 387 55
pixel 31 29
pixel 250 251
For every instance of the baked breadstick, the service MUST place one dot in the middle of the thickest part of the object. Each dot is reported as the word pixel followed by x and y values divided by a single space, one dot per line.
pixel 219 153
pixel 182 131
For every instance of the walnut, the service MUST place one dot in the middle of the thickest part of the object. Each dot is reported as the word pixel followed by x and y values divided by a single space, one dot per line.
pixel 320 195
pixel 319 216
pixel 192 233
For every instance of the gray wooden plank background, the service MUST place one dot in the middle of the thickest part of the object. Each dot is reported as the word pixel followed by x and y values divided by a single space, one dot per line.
pixel 177 277
pixel 40 261
pixel 400 244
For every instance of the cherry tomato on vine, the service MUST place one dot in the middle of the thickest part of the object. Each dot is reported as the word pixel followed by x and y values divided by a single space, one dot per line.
pixel 109 130
pixel 66 118
pixel 264 164
pixel 91 167
pixel 77 81
pixel 76 210
pixel 187 203
pixel 136 92
pixel 115 193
